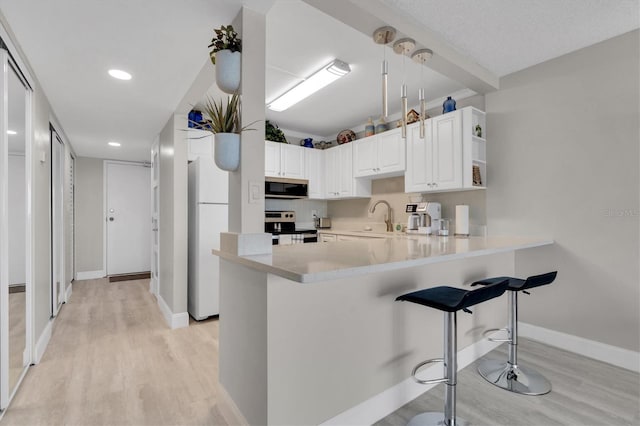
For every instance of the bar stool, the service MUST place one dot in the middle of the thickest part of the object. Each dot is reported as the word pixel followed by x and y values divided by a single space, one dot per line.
pixel 449 300
pixel 509 375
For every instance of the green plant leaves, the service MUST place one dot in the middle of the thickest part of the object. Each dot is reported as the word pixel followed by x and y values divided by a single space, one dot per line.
pixel 225 39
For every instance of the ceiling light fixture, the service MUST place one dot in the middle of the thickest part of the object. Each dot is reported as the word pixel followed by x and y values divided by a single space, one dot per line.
pixel 12 132
pixel 421 56
pixel 383 36
pixel 325 76
pixel 119 74
pixel 114 143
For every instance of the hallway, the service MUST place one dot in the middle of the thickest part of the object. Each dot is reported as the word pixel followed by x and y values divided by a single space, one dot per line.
pixel 112 360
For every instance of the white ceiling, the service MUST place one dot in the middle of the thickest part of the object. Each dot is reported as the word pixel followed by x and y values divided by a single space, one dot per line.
pixel 506 36
pixel 72 43
pixel 301 39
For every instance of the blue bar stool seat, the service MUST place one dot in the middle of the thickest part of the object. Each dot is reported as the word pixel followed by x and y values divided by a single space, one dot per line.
pixel 510 375
pixel 449 300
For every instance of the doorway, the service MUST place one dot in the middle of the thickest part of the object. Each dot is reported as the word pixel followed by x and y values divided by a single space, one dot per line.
pixel 57 223
pixel 15 224
pixel 128 222
pixel 155 219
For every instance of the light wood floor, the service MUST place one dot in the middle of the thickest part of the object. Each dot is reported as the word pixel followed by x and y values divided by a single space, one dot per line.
pixel 17 336
pixel 585 392
pixel 112 360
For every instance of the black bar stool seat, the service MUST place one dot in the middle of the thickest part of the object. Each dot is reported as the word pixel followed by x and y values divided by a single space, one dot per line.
pixel 449 300
pixel 510 375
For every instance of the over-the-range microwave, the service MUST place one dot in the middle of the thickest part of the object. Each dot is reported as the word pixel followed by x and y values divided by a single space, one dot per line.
pixel 285 188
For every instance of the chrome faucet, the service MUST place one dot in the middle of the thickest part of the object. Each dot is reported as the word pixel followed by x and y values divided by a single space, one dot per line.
pixel 388 217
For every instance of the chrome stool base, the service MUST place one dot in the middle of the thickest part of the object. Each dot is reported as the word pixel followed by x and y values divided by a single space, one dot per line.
pixel 434 419
pixel 516 379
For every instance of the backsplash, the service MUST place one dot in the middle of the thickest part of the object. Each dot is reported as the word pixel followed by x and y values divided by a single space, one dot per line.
pixel 353 214
pixel 303 209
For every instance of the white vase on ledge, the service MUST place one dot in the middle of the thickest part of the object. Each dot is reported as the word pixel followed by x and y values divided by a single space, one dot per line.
pixel 228 70
pixel 227 151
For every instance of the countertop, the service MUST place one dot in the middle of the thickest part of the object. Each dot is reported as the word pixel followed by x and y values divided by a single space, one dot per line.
pixel 307 263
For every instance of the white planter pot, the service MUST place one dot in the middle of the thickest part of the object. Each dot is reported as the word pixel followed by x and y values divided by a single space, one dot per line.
pixel 227 151
pixel 228 71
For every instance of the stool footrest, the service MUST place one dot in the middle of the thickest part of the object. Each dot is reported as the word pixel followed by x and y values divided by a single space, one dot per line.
pixel 493 330
pixel 431 381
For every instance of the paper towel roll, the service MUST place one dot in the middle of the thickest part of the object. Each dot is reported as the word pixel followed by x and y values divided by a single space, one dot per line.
pixel 462 220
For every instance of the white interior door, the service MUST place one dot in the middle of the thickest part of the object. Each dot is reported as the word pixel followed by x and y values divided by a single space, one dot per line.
pixel 128 222
pixel 155 219
pixel 57 223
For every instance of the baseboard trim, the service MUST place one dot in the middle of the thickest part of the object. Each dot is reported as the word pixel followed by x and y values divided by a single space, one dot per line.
pixel 68 292
pixel 388 401
pixel 43 342
pixel 90 275
pixel 174 321
pixel 610 354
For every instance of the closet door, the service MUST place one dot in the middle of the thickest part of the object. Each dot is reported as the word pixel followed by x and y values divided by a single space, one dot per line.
pixel 15 227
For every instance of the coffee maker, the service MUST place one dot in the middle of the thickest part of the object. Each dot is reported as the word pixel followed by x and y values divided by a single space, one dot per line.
pixel 425 217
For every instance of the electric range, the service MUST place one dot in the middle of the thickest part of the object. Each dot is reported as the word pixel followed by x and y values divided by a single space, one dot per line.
pixel 282 226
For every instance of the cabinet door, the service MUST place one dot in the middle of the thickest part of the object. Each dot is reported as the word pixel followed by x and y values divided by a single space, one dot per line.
pixel 292 161
pixel 331 173
pixel 447 151
pixel 314 172
pixel 365 157
pixel 272 159
pixel 391 151
pixel 345 170
pixel 418 176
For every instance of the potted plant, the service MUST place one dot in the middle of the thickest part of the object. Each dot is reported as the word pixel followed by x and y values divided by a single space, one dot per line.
pixel 224 122
pixel 273 133
pixel 225 54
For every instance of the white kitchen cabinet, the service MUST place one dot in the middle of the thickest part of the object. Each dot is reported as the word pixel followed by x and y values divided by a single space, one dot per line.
pixel 284 160
pixel 380 156
pixel 443 160
pixel 339 180
pixel 314 172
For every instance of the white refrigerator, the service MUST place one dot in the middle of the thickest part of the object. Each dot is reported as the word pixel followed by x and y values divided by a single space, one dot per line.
pixel 208 217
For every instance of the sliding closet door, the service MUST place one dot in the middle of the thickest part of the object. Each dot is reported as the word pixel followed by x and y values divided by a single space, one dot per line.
pixel 15 225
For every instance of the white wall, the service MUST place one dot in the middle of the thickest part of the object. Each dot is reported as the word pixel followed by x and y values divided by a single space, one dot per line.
pixel 89 224
pixel 17 222
pixel 563 157
pixel 173 214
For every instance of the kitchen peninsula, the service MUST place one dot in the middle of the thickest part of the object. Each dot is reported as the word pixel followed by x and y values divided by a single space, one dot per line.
pixel 312 330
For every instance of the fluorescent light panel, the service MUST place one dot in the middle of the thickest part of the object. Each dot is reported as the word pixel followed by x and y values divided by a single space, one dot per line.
pixel 325 76
pixel 12 132
pixel 114 143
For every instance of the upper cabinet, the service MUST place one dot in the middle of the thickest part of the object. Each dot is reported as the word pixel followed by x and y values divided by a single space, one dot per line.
pixel 314 172
pixel 445 159
pixel 339 180
pixel 284 160
pixel 379 156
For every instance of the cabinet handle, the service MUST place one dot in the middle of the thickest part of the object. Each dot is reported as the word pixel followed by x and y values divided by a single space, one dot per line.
pixel 435 184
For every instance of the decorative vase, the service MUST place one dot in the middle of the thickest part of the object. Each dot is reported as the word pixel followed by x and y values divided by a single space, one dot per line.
pixel 228 71
pixel 227 151
pixel 369 128
pixel 448 105
pixel 382 126
pixel 308 143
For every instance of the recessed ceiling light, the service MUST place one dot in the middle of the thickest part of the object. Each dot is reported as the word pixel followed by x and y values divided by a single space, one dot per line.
pixel 12 132
pixel 114 143
pixel 120 75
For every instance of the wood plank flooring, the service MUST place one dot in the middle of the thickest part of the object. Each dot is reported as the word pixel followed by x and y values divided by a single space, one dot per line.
pixel 585 392
pixel 113 361
pixel 17 334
